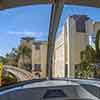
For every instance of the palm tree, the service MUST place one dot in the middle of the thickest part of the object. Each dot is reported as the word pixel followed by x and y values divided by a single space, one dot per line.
pixel 24 51
pixel 11 57
pixel 3 60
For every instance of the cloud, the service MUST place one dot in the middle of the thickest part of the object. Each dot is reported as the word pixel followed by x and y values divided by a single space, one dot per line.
pixel 23 33
pixel 37 35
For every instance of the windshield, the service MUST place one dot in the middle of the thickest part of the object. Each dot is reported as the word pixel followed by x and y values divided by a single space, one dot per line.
pixel 24 47
pixel 23 43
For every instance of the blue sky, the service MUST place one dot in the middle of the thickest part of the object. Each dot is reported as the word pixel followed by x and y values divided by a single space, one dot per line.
pixel 33 21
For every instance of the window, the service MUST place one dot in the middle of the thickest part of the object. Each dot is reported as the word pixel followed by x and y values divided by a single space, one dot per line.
pixel 37 46
pixel 37 67
pixel 80 22
pixel 20 28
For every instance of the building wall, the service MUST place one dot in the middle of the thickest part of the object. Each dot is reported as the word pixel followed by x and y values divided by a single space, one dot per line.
pixel 96 26
pixel 39 56
pixel 81 42
pixel 59 57
pixel 71 41
pixel 43 59
pixel 89 27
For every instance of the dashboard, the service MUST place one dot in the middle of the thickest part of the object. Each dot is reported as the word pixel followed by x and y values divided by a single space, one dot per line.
pixel 49 90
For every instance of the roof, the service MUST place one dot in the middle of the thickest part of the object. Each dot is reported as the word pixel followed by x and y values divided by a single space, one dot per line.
pixel 27 38
pixel 39 42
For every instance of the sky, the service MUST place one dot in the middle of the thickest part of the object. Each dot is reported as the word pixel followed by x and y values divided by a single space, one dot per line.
pixel 34 21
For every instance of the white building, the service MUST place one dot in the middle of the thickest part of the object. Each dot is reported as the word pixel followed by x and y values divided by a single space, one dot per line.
pixel 72 40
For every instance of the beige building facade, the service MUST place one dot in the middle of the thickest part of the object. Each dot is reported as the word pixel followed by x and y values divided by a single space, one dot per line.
pixel 71 41
pixel 39 59
pixel 60 55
